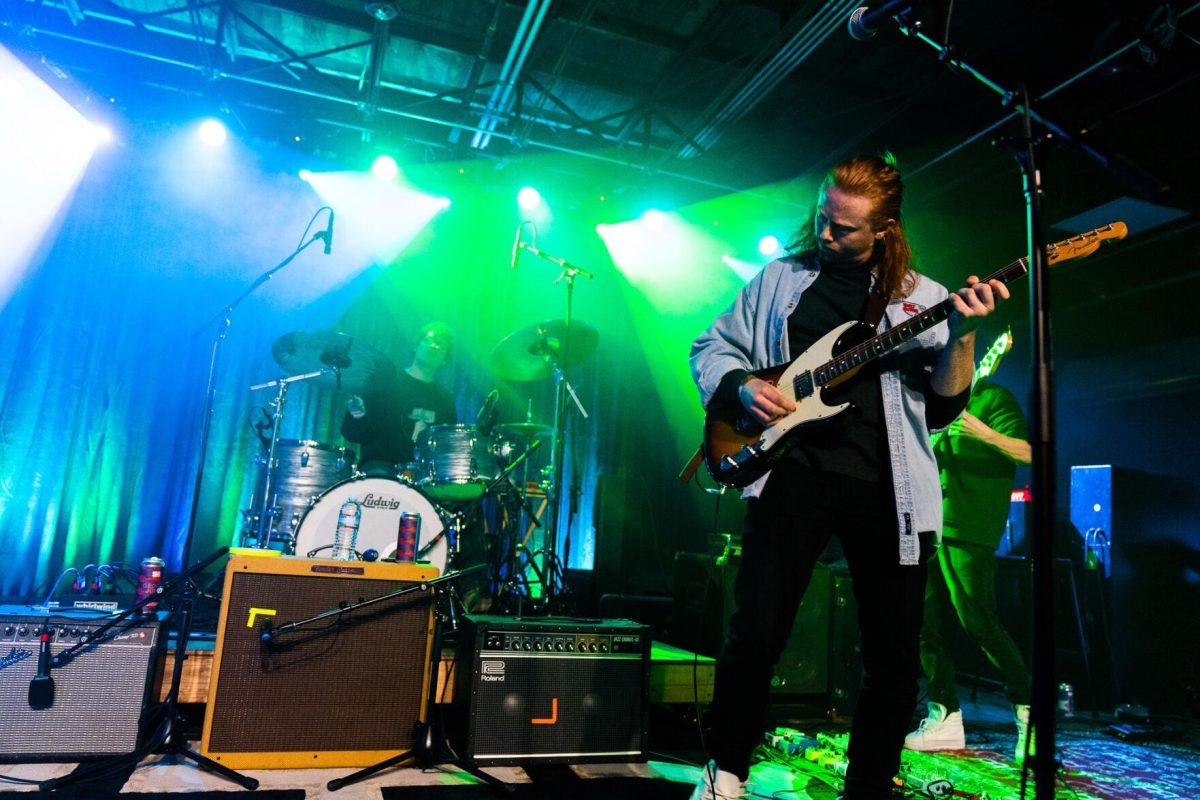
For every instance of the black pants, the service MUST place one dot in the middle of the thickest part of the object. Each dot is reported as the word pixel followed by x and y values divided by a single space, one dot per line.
pixel 786 530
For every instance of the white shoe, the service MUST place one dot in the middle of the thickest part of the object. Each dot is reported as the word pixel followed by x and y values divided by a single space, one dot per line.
pixel 938 731
pixel 1022 715
pixel 717 784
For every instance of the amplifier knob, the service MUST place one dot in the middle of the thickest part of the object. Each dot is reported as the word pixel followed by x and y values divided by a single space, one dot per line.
pixel 528 646
pixel 22 631
pixel 537 645
pixel 10 630
pixel 603 648
pixel 592 647
pixel 570 647
pixel 558 646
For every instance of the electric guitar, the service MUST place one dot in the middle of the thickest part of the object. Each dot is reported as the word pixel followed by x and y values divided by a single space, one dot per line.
pixel 738 450
pixel 987 365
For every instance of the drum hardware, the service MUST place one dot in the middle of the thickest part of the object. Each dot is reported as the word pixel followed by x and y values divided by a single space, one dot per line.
pixel 341 361
pixel 268 512
pixel 456 462
pixel 543 350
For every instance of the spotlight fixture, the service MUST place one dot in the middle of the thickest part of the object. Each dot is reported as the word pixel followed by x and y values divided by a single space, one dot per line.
pixel 768 245
pixel 385 168
pixel 529 198
pixel 382 10
pixel 212 133
pixel 654 219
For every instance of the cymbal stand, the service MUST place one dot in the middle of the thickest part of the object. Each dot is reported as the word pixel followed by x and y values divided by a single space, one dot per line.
pixel 562 388
pixel 267 512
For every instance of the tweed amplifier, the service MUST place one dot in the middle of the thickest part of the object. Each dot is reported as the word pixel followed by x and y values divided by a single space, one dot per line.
pixel 98 697
pixel 346 691
pixel 552 690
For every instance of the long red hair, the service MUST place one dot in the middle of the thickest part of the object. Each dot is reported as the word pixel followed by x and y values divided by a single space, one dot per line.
pixel 877 179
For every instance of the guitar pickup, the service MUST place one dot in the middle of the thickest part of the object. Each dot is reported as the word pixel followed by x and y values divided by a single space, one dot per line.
pixel 802 384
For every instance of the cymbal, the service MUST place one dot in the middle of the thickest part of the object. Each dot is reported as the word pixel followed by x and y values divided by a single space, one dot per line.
pixel 353 359
pixel 528 354
pixel 525 430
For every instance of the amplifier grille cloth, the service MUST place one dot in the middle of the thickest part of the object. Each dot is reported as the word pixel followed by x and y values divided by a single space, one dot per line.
pixel 98 696
pixel 356 685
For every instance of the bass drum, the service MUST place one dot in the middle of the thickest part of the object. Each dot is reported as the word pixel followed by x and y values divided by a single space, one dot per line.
pixel 383 500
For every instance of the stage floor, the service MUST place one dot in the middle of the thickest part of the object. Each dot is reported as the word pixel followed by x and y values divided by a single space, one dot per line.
pixel 1096 767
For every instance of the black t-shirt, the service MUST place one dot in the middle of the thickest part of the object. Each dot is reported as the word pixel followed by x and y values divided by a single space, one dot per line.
pixel 398 408
pixel 853 442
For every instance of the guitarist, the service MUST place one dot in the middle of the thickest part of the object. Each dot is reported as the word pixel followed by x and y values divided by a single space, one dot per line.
pixel 868 475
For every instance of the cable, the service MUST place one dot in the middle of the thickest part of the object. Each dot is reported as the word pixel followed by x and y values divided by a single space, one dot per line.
pixel 308 227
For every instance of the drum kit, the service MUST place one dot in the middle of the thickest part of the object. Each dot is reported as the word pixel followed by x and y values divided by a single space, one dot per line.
pixel 465 481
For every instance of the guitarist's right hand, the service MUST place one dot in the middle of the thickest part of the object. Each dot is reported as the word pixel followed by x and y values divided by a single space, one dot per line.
pixel 763 401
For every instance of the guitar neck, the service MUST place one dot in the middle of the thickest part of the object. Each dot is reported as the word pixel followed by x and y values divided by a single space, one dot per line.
pixel 906 331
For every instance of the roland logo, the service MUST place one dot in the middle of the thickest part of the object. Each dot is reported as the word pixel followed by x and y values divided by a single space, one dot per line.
pixel 371 501
pixel 491 672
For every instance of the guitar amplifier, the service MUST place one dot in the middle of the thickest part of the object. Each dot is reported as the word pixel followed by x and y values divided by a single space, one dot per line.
pixel 552 690
pixel 347 691
pixel 99 695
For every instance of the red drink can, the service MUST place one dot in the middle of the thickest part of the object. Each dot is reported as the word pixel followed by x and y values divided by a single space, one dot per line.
pixel 408 534
pixel 149 580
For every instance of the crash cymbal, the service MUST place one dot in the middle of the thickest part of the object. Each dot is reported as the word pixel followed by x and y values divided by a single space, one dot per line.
pixel 529 354
pixel 525 430
pixel 352 360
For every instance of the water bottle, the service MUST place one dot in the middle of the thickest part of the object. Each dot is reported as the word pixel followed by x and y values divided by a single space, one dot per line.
pixel 345 538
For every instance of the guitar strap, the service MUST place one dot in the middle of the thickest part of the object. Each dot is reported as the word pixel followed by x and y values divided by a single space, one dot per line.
pixel 876 304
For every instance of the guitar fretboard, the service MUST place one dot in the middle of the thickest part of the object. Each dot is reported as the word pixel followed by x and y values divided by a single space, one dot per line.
pixel 906 331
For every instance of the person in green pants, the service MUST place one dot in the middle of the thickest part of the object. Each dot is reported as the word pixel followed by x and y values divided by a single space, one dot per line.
pixel 977 458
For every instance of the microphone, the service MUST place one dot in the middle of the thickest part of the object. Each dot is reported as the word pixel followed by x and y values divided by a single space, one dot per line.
pixel 485 420
pixel 328 234
pixel 865 22
pixel 41 688
pixel 516 250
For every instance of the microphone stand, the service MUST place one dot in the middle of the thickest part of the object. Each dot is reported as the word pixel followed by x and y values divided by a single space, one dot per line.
pixel 183 588
pixel 430 748
pixel 569 272
pixel 225 316
pixel 1037 131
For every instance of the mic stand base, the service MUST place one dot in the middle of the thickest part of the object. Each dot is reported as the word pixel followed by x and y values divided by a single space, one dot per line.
pixel 430 748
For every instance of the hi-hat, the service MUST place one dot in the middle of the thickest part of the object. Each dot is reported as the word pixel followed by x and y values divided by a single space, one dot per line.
pixel 351 361
pixel 530 353
pixel 525 430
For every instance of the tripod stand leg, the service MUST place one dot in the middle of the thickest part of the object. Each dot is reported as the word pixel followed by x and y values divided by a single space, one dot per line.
pixel 366 772
pixel 204 762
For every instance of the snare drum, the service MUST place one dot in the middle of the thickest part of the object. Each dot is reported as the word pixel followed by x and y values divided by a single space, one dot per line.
pixel 382 500
pixel 456 462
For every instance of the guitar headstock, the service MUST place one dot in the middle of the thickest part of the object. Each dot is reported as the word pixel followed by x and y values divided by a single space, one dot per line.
pixel 991 359
pixel 1084 244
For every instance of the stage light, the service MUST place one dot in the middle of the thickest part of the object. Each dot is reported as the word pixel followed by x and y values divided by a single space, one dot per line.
pixel 768 245
pixel 385 168
pixel 305 175
pixel 102 134
pixel 529 198
pixel 654 220
pixel 213 133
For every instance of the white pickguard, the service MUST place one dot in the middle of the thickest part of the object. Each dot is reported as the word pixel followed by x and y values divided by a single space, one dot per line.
pixel 809 409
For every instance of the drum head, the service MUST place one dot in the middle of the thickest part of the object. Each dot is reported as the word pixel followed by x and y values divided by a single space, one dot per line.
pixel 383 500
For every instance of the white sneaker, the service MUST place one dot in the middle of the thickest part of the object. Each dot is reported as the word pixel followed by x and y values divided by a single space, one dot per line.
pixel 938 731
pixel 717 784
pixel 1022 716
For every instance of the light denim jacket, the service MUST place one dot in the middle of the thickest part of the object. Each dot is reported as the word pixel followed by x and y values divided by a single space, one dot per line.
pixel 752 334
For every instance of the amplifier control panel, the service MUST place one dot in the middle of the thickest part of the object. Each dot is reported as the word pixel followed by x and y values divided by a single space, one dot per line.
pixel 585 644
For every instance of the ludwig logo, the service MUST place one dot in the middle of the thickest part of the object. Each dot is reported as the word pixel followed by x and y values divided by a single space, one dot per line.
pixel 491 672
pixel 371 501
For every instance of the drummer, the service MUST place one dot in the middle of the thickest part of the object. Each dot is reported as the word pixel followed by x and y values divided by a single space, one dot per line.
pixel 396 406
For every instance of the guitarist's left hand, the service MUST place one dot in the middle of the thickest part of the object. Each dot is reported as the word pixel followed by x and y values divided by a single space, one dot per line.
pixel 972 303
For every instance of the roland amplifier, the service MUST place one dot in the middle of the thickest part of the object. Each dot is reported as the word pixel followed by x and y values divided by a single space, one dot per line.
pixel 99 695
pixel 552 690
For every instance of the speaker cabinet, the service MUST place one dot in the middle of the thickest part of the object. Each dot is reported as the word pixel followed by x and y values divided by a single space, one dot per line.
pixel 552 690
pixel 99 695
pixel 346 691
